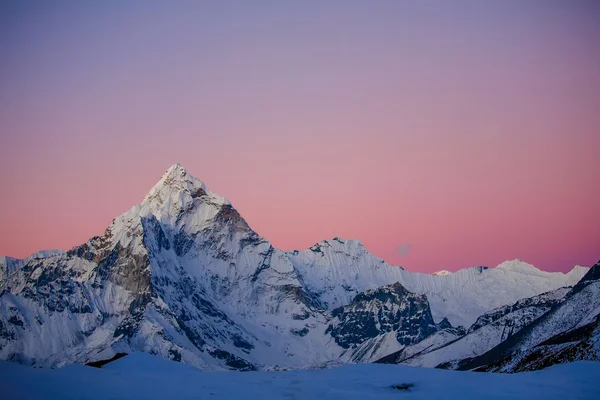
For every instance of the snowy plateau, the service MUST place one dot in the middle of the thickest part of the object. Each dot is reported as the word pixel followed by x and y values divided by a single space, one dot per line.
pixel 142 376
pixel 182 277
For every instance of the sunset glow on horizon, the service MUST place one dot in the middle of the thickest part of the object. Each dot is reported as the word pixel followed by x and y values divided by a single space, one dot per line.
pixel 440 135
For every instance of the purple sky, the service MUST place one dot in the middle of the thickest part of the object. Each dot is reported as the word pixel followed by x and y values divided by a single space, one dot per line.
pixel 441 134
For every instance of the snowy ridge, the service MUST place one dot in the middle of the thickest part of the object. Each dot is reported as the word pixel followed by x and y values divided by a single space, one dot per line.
pixel 533 333
pixel 488 331
pixel 570 331
pixel 337 270
pixel 8 265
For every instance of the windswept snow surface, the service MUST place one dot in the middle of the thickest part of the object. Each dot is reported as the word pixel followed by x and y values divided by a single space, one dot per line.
pixel 142 376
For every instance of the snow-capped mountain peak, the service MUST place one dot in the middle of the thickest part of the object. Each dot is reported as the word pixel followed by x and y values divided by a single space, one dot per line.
pixel 182 200
pixel 176 181
pixel 442 272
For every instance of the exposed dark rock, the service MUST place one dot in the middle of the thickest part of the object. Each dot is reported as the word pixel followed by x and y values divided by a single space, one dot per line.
pixel 15 321
pixel 232 361
pixel 266 263
pixel 128 327
pixel 444 324
pixel 592 275
pixel 300 332
pixel 403 386
pixel 301 317
pixel 389 308
pixel 182 243
pixel 84 251
pixel 241 343
pixel 152 224
pixel 101 363
pixel 230 218
pixel 174 355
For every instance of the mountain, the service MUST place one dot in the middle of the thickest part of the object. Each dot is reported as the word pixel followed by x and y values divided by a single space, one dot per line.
pixel 183 276
pixel 490 329
pixel 337 270
pixel 10 264
pixel 379 316
pixel 552 328
pixel 570 331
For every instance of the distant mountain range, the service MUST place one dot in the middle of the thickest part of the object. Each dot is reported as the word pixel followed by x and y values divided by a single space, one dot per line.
pixel 183 276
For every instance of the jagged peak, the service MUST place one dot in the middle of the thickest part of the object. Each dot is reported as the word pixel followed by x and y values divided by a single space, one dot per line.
pixel 336 241
pixel 177 181
pixel 176 167
pixel 442 272
pixel 178 199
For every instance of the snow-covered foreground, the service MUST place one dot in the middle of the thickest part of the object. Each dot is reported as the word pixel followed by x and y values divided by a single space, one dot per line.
pixel 142 376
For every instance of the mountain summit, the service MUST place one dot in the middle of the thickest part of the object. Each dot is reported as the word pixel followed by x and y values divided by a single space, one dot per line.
pixel 177 181
pixel 183 276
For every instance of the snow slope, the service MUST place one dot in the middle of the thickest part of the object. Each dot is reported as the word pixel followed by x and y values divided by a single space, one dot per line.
pixel 488 331
pixel 570 331
pixel 337 270
pixel 142 376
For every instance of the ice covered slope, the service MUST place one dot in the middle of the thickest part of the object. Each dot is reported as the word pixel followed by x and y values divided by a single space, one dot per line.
pixel 141 376
pixel 337 270
pixel 489 330
pixel 569 331
pixel 438 340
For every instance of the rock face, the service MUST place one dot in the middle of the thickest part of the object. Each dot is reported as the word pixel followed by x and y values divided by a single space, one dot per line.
pixel 361 326
pixel 387 309
pixel 183 276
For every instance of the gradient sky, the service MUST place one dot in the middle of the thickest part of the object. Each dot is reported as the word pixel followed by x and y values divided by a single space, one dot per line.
pixel 440 134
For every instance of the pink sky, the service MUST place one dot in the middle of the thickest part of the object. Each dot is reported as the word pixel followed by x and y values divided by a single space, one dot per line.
pixel 470 134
